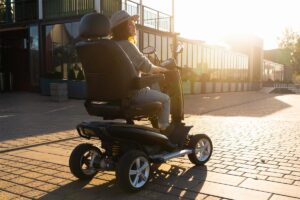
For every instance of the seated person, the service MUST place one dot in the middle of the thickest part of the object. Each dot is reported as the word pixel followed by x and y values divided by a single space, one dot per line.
pixel 124 31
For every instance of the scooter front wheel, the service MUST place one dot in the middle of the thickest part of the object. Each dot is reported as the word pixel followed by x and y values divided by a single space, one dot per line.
pixel 202 149
pixel 133 171
pixel 82 159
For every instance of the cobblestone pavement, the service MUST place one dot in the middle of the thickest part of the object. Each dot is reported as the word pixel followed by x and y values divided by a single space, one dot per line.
pixel 256 140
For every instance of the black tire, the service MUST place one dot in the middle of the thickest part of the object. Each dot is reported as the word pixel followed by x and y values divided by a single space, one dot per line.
pixel 79 158
pixel 206 144
pixel 127 163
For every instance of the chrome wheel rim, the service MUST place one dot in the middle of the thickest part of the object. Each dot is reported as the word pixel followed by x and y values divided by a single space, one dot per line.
pixel 87 162
pixel 139 172
pixel 203 149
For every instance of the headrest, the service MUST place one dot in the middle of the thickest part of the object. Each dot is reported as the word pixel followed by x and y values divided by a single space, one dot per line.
pixel 94 25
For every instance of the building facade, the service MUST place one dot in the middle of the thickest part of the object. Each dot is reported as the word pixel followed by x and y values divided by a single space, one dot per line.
pixel 282 56
pixel 273 71
pixel 38 37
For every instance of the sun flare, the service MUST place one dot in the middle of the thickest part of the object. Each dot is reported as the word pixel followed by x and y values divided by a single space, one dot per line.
pixel 211 20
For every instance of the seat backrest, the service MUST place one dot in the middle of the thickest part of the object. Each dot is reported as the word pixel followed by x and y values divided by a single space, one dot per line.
pixel 109 72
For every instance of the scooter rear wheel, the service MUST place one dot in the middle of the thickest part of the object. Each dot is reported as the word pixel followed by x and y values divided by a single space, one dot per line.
pixel 81 161
pixel 133 171
pixel 202 149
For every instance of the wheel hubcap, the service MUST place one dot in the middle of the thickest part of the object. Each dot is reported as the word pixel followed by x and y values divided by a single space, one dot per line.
pixel 87 162
pixel 203 149
pixel 139 172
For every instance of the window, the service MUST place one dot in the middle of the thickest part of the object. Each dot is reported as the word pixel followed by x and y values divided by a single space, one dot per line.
pixel 34 55
pixel 164 48
pixel 195 56
pixel 158 47
pixel 152 40
pixel 204 64
pixel 184 55
pixel 199 59
pixel 170 48
pixel 208 58
pixel 190 55
pixel 146 40
pixel 60 52
pixel 212 58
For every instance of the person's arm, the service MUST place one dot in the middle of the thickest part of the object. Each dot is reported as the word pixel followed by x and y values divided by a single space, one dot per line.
pixel 156 69
pixel 140 61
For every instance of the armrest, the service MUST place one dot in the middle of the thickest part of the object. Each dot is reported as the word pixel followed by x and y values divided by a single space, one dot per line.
pixel 147 80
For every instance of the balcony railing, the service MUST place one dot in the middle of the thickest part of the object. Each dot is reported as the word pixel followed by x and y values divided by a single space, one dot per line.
pixel 108 7
pixel 64 8
pixel 18 10
pixel 131 7
pixel 148 16
pixel 155 19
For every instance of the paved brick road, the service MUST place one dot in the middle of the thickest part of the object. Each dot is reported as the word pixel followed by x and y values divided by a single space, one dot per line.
pixel 256 139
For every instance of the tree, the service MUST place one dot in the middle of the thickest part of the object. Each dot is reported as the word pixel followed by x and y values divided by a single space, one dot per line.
pixel 6 11
pixel 2 10
pixel 290 40
pixel 296 56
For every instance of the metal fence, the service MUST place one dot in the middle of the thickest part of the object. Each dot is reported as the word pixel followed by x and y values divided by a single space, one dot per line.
pixel 155 19
pixel 108 7
pixel 63 8
pixel 213 62
pixel 148 16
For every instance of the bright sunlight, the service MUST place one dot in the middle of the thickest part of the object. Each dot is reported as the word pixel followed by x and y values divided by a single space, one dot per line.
pixel 211 20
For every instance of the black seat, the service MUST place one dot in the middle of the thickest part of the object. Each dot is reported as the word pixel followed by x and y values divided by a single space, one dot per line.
pixel 110 76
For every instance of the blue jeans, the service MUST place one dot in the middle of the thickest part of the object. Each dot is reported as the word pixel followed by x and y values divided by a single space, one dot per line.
pixel 147 95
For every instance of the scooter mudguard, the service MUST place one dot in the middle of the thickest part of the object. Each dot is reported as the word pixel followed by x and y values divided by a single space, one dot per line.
pixel 120 131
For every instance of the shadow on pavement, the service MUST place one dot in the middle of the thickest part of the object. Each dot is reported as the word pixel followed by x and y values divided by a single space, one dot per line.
pixel 80 189
pixel 30 114
pixel 181 182
pixel 163 185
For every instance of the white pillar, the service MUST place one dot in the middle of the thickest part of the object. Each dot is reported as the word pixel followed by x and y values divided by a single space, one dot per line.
pixel 172 22
pixel 97 6
pixel 40 4
pixel 141 14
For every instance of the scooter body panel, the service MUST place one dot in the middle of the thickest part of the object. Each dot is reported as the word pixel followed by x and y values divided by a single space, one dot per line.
pixel 124 132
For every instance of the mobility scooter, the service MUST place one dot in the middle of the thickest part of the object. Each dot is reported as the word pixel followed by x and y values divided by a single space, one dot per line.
pixel 127 148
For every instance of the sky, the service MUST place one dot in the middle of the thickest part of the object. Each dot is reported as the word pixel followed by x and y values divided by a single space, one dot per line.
pixel 211 20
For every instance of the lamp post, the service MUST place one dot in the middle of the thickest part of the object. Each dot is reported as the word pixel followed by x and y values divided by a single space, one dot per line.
pixel 173 13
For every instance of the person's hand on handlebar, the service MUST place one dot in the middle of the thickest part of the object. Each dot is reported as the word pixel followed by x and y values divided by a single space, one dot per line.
pixel 157 69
